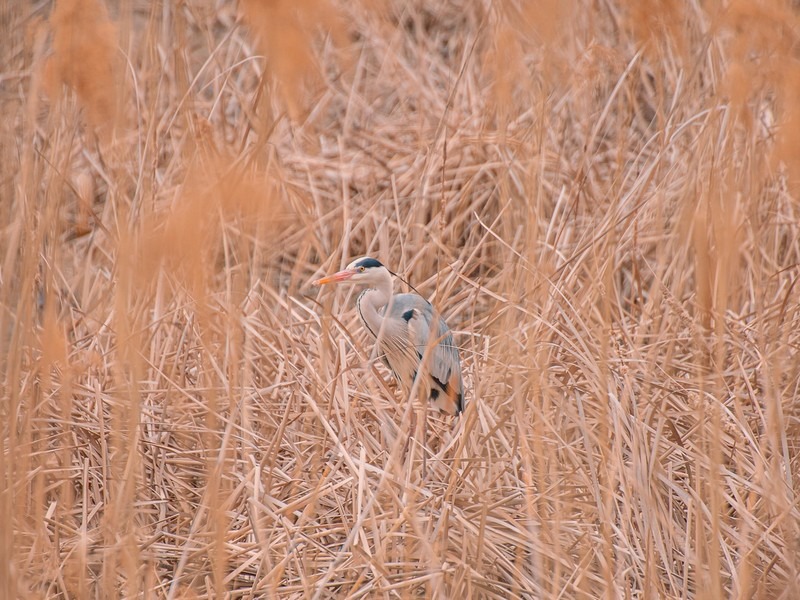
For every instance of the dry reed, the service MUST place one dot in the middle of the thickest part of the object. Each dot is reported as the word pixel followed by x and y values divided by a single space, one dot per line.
pixel 601 198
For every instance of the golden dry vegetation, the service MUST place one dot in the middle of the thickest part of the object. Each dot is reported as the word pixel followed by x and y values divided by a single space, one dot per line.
pixel 600 196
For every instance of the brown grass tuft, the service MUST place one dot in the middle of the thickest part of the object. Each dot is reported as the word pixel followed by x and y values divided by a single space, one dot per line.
pixel 288 32
pixel 85 58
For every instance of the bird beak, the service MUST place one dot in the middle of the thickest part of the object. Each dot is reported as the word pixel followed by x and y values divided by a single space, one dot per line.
pixel 336 277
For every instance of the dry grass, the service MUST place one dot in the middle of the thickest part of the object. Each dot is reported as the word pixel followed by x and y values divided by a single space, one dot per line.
pixel 601 197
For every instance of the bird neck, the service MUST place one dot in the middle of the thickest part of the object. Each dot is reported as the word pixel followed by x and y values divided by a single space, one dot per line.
pixel 371 301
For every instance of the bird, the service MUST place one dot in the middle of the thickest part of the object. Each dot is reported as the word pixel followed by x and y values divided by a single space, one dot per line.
pixel 403 325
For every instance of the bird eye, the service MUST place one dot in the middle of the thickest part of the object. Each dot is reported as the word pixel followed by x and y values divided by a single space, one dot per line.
pixel 362 269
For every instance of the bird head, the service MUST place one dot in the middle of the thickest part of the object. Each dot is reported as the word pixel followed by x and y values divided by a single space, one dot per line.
pixel 362 270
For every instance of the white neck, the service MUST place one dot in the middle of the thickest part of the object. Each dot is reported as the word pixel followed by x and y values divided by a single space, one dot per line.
pixel 371 301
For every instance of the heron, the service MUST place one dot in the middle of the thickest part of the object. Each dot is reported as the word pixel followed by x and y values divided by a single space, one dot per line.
pixel 403 326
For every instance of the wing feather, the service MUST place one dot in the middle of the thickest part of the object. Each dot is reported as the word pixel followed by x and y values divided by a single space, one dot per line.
pixel 423 327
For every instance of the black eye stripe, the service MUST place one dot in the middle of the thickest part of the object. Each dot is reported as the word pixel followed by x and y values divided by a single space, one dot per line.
pixel 368 263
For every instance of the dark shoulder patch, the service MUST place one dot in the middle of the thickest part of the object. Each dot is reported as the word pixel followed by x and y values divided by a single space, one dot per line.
pixel 368 262
pixel 408 315
pixel 442 384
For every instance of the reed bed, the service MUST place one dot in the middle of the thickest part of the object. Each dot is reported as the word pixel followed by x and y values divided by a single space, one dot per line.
pixel 601 197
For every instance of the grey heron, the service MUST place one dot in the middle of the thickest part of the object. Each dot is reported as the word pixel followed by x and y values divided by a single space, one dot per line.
pixel 403 326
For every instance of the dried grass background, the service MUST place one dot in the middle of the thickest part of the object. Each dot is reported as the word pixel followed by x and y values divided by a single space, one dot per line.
pixel 601 197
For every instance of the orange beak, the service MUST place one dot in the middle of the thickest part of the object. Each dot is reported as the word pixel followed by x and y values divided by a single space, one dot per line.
pixel 336 277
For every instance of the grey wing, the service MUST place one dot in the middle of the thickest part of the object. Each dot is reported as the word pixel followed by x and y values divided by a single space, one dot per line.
pixel 424 327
